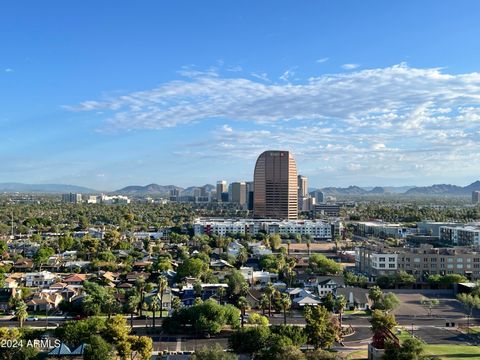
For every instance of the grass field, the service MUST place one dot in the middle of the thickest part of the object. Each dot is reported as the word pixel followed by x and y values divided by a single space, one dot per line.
pixel 453 352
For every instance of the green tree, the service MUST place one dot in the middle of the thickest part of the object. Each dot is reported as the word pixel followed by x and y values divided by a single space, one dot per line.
pixel 142 345
pixel 249 340
pixel 212 353
pixel 154 306
pixel 469 302
pixel 321 329
pixel 162 287
pixel 257 319
pixel 236 283
pixel 411 349
pixel 242 305
pixel 319 264
pixel 328 302
pixel 270 291
pixel 191 267
pixel 381 321
pixel 132 306
pixel 21 312
pixel 429 304
pixel 286 303
pixel 42 255
pixel 98 349
pixel 340 304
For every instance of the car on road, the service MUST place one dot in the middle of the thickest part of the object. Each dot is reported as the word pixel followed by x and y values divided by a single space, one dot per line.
pixel 31 318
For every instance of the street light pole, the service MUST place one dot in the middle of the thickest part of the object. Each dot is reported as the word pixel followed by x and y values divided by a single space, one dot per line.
pixel 412 329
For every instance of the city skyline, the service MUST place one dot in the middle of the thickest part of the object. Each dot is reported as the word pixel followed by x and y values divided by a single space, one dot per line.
pixel 185 95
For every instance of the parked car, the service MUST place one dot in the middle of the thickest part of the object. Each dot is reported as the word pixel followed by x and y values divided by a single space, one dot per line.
pixel 31 318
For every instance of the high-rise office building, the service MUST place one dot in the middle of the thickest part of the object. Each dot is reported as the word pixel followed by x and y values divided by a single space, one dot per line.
pixel 319 197
pixel 476 197
pixel 302 186
pixel 72 198
pixel 239 193
pixel 221 188
pixel 249 195
pixel 275 186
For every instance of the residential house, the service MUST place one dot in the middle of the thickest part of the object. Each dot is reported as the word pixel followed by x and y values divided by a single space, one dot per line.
pixel 357 298
pixel 44 301
pixel 39 279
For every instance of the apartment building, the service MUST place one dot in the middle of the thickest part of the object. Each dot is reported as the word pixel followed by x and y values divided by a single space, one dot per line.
pixel 319 230
pixel 460 235
pixel 421 262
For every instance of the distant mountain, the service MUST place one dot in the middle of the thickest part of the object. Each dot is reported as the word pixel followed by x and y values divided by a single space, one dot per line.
pixel 445 190
pixel 351 190
pixel 44 188
pixel 155 189
pixel 147 189
pixel 191 189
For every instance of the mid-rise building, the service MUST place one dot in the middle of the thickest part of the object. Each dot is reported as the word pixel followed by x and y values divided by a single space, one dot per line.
pixel 319 197
pixel 326 209
pixel 72 198
pixel 382 229
pixel 476 197
pixel 421 262
pixel 460 235
pixel 318 230
pixel 239 193
pixel 275 186
pixel 222 187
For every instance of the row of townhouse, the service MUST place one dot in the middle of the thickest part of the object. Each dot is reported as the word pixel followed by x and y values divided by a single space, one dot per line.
pixel 374 261
pixel 317 229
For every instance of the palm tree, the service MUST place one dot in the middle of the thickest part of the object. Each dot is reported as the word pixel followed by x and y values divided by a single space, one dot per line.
pixel 264 303
pixel 242 304
pixel 288 247
pixel 286 304
pixel 308 242
pixel 270 291
pixel 140 285
pixel 162 286
pixel 132 306
pixel 340 303
pixel 21 312
pixel 154 306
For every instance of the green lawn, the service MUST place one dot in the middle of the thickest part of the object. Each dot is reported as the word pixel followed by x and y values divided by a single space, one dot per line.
pixel 453 352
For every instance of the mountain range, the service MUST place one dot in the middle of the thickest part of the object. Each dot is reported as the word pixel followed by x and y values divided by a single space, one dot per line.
pixel 155 189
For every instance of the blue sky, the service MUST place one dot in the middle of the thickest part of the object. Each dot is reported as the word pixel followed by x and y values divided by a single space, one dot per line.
pixel 114 93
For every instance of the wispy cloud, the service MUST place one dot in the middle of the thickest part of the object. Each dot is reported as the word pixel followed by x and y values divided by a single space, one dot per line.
pixel 392 121
pixel 322 60
pixel 8 70
pixel 350 66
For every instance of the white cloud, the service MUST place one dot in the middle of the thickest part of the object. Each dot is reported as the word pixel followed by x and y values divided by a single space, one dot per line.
pixel 350 66
pixel 322 60
pixel 8 70
pixel 287 75
pixel 392 121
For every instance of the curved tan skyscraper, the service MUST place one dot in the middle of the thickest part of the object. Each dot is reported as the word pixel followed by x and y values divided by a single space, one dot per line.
pixel 275 192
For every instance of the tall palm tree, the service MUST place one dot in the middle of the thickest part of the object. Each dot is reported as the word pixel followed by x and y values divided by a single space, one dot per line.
pixel 154 306
pixel 308 242
pixel 162 286
pixel 264 303
pixel 340 304
pixel 132 306
pixel 21 312
pixel 288 247
pixel 286 304
pixel 270 291
pixel 140 286
pixel 242 304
